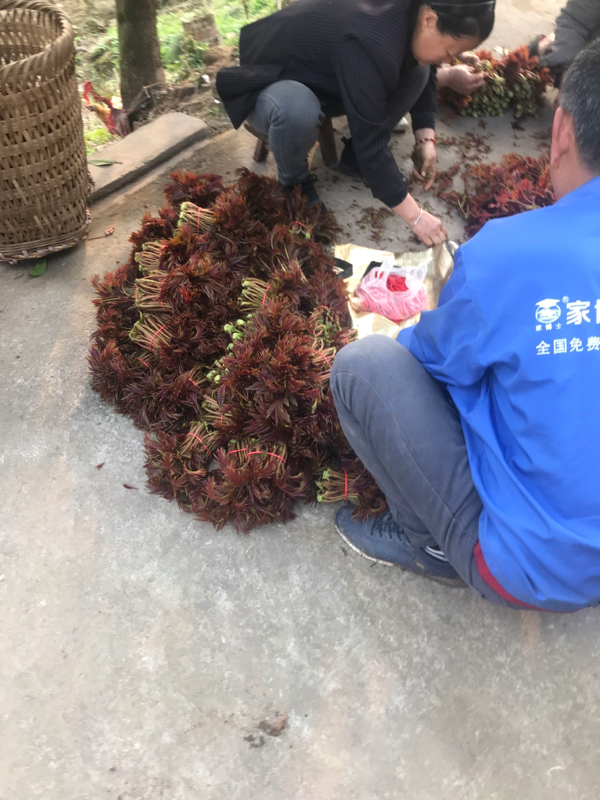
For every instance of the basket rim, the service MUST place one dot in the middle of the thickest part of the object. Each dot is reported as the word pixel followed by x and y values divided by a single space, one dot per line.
pixel 40 248
pixel 54 56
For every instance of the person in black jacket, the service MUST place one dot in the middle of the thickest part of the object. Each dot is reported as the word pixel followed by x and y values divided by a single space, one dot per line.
pixel 372 60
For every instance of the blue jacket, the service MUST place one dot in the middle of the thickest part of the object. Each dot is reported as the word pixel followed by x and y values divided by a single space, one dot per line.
pixel 516 339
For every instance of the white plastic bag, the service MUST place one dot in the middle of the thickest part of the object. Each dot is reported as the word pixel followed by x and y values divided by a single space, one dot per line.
pixel 397 293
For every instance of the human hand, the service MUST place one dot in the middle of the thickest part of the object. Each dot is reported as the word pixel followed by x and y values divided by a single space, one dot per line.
pixel 430 230
pixel 462 78
pixel 470 58
pixel 424 159
pixel 545 44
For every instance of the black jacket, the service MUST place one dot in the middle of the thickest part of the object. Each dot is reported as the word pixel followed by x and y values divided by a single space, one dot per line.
pixel 353 54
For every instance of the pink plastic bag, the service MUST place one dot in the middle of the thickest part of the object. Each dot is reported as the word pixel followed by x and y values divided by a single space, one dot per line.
pixel 396 293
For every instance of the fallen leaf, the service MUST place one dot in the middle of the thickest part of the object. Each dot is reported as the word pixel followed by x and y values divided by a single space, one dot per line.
pixel 102 162
pixel 38 269
pixel 127 486
pixel 275 728
pixel 99 466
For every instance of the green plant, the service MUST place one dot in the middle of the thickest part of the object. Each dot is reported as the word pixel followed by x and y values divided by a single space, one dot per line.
pixel 104 57
pixel 184 56
pixel 95 138
pixel 232 15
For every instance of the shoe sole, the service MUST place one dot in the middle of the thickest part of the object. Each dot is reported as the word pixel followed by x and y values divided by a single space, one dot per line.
pixel 452 583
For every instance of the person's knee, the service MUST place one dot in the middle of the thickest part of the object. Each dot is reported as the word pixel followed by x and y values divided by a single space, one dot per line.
pixel 296 105
pixel 365 356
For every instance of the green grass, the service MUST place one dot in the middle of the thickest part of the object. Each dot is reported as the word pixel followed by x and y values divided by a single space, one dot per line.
pixel 230 16
pixel 182 56
pixel 96 136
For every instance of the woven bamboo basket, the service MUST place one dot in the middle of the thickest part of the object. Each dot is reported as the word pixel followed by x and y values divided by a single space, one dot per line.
pixel 44 183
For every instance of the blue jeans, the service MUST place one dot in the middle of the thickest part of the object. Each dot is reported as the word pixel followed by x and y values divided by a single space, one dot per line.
pixel 290 113
pixel 406 430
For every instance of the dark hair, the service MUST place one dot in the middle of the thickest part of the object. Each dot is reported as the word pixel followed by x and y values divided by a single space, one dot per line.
pixel 580 98
pixel 463 19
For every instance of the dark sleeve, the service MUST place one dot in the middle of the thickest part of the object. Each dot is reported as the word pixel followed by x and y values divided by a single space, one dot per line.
pixel 423 111
pixel 576 24
pixel 365 101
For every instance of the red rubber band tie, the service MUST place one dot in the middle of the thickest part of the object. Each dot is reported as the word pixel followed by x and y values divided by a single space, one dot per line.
pixel 325 359
pixel 345 485
pixel 200 440
pixel 155 335
pixel 255 453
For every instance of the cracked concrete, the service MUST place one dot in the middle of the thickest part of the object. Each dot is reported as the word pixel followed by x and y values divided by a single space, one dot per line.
pixel 141 649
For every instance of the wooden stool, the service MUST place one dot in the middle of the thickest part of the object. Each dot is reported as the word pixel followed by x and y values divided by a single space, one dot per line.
pixel 326 143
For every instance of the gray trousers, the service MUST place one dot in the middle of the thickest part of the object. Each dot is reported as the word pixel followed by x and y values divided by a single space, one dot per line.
pixel 290 114
pixel 406 430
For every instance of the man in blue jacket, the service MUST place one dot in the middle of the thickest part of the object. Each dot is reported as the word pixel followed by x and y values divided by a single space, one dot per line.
pixel 481 426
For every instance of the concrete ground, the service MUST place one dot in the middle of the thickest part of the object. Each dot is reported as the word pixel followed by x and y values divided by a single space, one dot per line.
pixel 141 650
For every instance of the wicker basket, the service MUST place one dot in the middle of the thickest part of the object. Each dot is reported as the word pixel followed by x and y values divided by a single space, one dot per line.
pixel 44 182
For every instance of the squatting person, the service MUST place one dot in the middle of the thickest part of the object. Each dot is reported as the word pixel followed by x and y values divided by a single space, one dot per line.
pixel 372 60
pixel 480 424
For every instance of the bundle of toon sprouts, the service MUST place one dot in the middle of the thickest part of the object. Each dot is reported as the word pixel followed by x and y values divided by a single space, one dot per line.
pixel 515 80
pixel 217 338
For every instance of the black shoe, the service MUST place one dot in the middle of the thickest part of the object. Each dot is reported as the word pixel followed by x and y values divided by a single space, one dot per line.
pixel 348 164
pixel 307 188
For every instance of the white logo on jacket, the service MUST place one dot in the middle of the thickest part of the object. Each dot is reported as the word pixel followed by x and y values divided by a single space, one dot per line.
pixel 547 311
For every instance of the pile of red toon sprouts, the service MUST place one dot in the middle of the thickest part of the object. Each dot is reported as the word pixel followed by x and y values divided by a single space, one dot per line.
pixel 217 338
pixel 492 191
